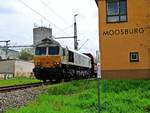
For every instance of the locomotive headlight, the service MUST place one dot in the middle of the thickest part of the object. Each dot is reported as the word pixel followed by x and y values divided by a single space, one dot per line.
pixel 56 63
pixel 38 63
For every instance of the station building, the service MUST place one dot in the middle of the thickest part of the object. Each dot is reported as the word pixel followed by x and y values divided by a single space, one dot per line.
pixel 124 36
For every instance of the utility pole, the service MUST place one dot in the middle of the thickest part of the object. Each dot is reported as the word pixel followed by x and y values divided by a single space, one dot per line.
pixel 6 47
pixel 75 33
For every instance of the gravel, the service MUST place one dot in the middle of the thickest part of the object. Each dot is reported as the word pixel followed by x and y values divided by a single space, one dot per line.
pixel 16 99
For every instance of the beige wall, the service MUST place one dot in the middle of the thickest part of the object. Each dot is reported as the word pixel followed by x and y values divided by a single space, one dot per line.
pixel 23 68
pixel 16 67
pixel 7 66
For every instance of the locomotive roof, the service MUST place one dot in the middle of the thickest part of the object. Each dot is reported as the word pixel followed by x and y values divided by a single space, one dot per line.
pixel 75 51
pixel 96 2
pixel 48 41
pixel 53 41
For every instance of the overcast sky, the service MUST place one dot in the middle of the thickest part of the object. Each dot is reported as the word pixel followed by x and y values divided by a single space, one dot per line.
pixel 17 21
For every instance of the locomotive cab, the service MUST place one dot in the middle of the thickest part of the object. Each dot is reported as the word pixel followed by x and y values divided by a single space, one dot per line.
pixel 47 59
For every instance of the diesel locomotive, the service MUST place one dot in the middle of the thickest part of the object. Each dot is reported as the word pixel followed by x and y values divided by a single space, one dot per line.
pixel 54 62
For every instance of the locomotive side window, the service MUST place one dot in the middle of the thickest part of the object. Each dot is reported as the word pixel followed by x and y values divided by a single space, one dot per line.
pixel 63 52
pixel 71 56
pixel 40 51
pixel 53 50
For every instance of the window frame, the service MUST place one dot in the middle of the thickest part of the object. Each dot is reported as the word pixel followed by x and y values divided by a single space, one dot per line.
pixel 134 60
pixel 41 54
pixel 71 56
pixel 56 47
pixel 63 52
pixel 119 15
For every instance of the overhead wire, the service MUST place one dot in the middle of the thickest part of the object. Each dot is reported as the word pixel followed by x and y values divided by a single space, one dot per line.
pixel 65 28
pixel 54 12
pixel 83 44
pixel 45 18
pixel 59 16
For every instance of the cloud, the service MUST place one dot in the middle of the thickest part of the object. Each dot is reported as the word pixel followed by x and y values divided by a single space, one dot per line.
pixel 17 21
pixel 7 7
pixel 6 10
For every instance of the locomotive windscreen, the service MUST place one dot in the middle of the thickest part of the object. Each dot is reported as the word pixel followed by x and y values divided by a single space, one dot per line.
pixel 40 51
pixel 53 50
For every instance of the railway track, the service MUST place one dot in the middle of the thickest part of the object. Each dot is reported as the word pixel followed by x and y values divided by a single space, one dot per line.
pixel 23 86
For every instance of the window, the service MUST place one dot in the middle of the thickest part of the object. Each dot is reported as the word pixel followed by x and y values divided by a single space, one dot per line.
pixel 53 50
pixel 116 11
pixel 40 51
pixel 71 56
pixel 63 52
pixel 134 57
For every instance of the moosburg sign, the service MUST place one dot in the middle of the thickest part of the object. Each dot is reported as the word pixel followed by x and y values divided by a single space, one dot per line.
pixel 124 31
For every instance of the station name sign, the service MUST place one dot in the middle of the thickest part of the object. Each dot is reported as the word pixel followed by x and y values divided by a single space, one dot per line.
pixel 131 31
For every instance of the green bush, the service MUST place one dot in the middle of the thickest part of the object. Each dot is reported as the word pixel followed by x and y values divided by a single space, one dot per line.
pixel 117 96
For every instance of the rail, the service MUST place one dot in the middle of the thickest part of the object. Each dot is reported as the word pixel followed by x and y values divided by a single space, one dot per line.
pixel 31 85
pixel 22 86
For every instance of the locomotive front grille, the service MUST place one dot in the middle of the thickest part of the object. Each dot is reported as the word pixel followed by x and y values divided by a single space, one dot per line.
pixel 47 61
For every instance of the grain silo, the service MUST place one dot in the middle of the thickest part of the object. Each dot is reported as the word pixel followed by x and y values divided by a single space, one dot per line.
pixel 41 33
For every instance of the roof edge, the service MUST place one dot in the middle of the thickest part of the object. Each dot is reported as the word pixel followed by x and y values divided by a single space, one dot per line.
pixel 96 2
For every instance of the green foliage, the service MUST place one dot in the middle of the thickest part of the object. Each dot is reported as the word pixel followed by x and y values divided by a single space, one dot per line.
pixel 17 81
pixel 26 54
pixel 117 96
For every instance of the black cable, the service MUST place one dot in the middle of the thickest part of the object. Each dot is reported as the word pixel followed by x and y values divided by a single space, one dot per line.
pixel 60 17
pixel 40 15
pixel 65 28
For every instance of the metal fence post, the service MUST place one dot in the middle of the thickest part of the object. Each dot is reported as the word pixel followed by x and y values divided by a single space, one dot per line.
pixel 98 77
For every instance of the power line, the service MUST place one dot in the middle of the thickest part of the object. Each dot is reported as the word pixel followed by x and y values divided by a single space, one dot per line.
pixel 60 17
pixel 40 15
pixel 21 1
pixel 83 44
pixel 65 28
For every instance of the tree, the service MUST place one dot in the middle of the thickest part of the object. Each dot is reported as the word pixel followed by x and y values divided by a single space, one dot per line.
pixel 26 54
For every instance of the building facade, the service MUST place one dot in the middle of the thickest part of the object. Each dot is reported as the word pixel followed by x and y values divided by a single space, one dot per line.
pixel 12 54
pixel 15 68
pixel 124 35
pixel 41 33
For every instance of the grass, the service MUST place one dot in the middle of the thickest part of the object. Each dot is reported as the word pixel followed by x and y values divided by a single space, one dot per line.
pixel 117 96
pixel 17 81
